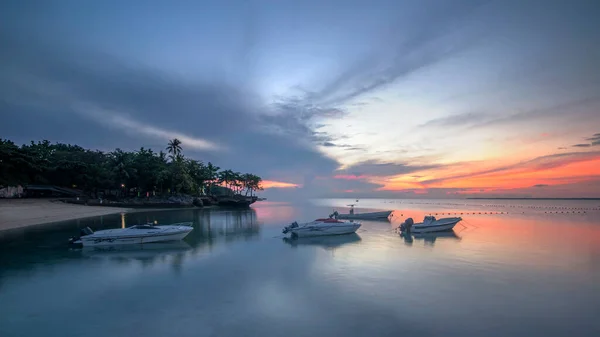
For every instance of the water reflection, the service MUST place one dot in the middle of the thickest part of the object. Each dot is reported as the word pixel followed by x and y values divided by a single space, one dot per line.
pixel 429 238
pixel 326 242
pixel 237 279
pixel 226 223
pixel 136 252
pixel 25 249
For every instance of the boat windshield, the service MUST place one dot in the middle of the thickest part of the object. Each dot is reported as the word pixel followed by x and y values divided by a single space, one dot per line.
pixel 143 227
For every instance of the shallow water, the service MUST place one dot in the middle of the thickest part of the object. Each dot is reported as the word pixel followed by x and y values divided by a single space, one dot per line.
pixel 517 269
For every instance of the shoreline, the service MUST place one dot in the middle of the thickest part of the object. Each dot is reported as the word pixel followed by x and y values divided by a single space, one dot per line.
pixel 21 213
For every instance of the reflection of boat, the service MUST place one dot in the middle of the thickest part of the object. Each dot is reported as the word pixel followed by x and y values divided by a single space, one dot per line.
pixel 433 235
pixel 137 234
pixel 324 241
pixel 384 215
pixel 322 227
pixel 430 237
pixel 429 224
pixel 138 251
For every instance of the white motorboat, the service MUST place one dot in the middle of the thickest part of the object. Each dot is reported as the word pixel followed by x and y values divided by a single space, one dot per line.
pixel 321 227
pixel 137 234
pixel 429 224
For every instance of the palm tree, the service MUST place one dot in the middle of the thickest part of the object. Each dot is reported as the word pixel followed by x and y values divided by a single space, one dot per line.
pixel 255 183
pixel 174 147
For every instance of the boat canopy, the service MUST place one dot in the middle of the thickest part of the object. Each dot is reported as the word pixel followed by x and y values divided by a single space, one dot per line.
pixel 429 218
pixel 143 227
pixel 329 220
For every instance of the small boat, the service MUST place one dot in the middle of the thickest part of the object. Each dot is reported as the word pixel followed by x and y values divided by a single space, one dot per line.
pixel 384 215
pixel 137 234
pixel 321 227
pixel 429 224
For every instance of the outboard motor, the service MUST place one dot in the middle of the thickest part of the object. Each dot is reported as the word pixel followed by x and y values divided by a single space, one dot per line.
pixel 286 229
pixel 407 225
pixel 82 232
pixel 86 231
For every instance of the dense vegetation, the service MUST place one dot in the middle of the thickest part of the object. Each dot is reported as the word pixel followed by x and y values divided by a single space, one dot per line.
pixel 118 172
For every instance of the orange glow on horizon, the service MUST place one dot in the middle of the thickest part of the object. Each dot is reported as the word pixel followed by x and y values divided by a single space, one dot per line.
pixel 481 178
pixel 277 184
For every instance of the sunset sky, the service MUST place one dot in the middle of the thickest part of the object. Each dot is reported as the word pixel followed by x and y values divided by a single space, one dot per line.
pixel 413 98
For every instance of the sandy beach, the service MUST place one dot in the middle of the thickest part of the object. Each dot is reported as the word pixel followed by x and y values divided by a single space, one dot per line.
pixel 17 213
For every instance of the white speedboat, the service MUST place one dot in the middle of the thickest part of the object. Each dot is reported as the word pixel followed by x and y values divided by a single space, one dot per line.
pixel 321 227
pixel 429 224
pixel 137 234
pixel 384 215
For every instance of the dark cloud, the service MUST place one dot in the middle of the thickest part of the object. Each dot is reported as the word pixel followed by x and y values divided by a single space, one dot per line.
pixel 540 185
pixel 595 139
pixel 380 169
pixel 330 144
pixel 75 95
pixel 355 148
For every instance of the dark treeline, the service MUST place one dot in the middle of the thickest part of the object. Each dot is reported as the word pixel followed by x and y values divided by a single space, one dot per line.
pixel 119 172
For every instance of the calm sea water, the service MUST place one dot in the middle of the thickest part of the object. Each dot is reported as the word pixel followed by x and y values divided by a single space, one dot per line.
pixel 520 268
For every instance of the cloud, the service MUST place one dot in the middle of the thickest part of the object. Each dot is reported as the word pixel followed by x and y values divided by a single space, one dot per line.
pixel 85 97
pixel 457 120
pixel 572 107
pixel 350 177
pixel 135 127
pixel 537 164
pixel 541 185
pixel 380 169
pixel 487 119
pixel 595 139
pixel 396 56
pixel 330 144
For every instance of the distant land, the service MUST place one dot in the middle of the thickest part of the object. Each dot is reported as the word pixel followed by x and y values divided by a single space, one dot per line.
pixel 536 198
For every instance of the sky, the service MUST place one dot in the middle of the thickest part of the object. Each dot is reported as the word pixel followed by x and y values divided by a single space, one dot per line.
pixel 328 98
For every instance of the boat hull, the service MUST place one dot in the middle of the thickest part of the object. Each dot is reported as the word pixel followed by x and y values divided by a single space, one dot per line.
pixel 94 241
pixel 322 230
pixel 366 216
pixel 434 227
